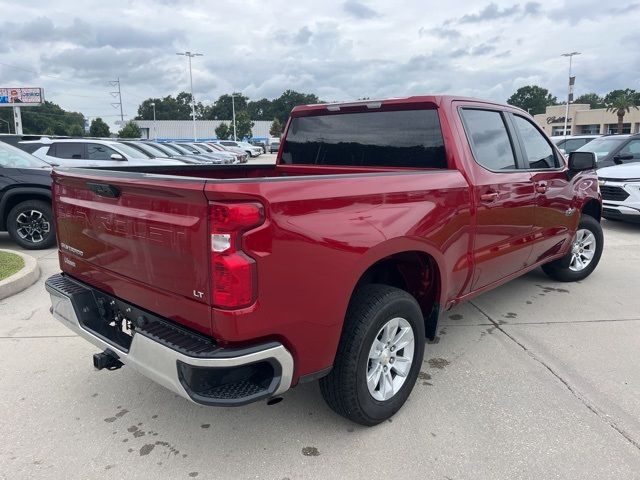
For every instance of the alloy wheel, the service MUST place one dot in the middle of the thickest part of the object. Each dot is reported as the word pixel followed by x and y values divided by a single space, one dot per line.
pixel 32 226
pixel 390 358
pixel 583 250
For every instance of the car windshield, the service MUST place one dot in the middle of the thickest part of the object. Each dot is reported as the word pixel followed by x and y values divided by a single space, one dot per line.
pixel 156 152
pixel 129 152
pixel 12 157
pixel 176 148
pixel 162 148
pixel 188 149
pixel 204 147
pixel 602 146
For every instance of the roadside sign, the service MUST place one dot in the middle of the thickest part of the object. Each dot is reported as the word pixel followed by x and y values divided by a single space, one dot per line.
pixel 21 97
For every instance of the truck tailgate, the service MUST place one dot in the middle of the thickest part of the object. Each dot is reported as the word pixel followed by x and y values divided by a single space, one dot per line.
pixel 148 229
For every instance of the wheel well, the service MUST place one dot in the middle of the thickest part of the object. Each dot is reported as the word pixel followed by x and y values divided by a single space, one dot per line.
pixel 19 198
pixel 593 209
pixel 414 272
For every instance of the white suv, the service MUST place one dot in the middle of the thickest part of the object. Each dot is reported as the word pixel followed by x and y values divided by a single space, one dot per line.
pixel 93 153
pixel 620 188
pixel 252 150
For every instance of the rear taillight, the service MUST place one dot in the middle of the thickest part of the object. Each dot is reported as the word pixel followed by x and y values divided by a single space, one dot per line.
pixel 233 271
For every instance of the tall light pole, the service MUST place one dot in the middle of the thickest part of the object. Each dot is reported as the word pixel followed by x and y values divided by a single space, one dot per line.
pixel 155 130
pixel 569 90
pixel 233 111
pixel 190 55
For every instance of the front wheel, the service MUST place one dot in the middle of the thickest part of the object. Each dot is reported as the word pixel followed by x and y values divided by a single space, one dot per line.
pixel 585 253
pixel 30 225
pixel 379 355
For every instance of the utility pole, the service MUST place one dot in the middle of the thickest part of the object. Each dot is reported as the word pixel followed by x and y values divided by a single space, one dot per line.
pixel 233 110
pixel 190 55
pixel 569 90
pixel 155 131
pixel 17 120
pixel 116 83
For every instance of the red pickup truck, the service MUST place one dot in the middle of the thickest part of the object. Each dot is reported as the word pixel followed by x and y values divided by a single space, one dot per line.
pixel 230 284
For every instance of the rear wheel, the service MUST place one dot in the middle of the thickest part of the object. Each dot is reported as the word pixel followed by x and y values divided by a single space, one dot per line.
pixel 30 225
pixel 585 253
pixel 379 355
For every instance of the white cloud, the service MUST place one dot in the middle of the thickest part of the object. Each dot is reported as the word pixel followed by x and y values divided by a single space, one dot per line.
pixel 339 50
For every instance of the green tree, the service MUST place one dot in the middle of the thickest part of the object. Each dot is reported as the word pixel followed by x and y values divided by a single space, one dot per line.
pixel 593 99
pixel 621 105
pixel 60 129
pixel 222 131
pixel 244 124
pixel 276 128
pixel 168 108
pixel 99 128
pixel 76 131
pixel 283 105
pixel 613 94
pixel 533 99
pixel 260 109
pixel 222 109
pixel 130 130
pixel 48 117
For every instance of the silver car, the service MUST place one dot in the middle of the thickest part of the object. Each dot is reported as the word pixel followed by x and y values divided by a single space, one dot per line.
pixel 94 153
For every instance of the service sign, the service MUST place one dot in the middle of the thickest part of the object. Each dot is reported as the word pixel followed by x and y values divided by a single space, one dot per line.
pixel 16 97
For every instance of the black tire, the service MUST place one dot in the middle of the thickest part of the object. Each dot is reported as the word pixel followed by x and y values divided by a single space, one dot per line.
pixel 560 269
pixel 43 217
pixel 345 388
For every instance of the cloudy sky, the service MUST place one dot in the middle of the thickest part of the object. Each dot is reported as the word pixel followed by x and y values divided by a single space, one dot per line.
pixel 340 50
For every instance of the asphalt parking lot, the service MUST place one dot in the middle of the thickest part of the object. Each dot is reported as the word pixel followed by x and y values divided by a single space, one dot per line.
pixel 534 380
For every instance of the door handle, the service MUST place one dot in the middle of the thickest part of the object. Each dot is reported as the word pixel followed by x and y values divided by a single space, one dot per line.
pixel 541 188
pixel 489 197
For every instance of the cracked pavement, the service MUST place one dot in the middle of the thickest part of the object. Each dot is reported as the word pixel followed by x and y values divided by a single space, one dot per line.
pixel 536 379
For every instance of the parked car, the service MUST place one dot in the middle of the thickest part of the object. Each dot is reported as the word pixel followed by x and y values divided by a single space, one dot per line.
pixel 259 143
pixel 273 147
pixel 153 151
pixel 620 187
pixel 570 143
pixel 227 157
pixel 614 149
pixel 333 264
pixel 93 153
pixel 25 199
pixel 247 147
pixel 242 155
pixel 193 152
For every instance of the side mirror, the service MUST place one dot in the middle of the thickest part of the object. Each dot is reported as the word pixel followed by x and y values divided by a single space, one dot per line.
pixel 116 156
pixel 581 161
pixel 622 156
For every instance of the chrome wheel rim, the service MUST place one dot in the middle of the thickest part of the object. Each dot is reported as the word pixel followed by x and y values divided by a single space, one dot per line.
pixel 32 226
pixel 390 359
pixel 583 250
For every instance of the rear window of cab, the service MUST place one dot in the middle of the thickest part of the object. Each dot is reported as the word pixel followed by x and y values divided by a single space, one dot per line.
pixel 404 138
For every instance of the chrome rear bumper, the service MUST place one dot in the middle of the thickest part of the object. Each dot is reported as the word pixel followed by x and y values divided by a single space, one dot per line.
pixel 166 365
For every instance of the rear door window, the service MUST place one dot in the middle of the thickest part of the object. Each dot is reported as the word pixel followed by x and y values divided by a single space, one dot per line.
pixel 408 138
pixel 489 139
pixel 68 150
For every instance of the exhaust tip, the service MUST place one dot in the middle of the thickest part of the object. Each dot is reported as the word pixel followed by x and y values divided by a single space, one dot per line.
pixel 274 400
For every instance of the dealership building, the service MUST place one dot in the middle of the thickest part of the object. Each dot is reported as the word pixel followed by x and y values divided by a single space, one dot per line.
pixel 183 129
pixel 584 120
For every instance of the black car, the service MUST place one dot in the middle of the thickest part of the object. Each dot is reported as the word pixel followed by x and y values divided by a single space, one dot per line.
pixel 614 149
pixel 25 199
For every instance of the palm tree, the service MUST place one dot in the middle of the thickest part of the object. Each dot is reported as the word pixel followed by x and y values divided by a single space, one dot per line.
pixel 620 105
